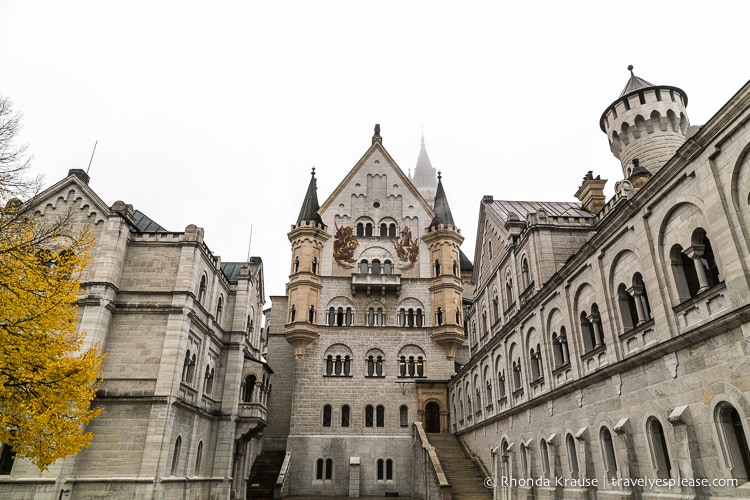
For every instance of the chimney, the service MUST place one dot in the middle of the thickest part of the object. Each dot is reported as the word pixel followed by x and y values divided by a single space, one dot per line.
pixel 591 193
pixel 80 173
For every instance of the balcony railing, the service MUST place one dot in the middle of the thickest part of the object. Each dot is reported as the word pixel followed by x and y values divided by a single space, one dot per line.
pixel 376 283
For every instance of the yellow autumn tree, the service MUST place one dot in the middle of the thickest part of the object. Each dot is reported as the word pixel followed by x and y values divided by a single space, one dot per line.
pixel 47 382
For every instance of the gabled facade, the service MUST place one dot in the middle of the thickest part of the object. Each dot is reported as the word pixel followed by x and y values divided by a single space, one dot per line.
pixel 185 385
pixel 610 341
pixel 366 336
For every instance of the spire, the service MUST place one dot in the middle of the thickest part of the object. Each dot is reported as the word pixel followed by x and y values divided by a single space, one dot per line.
pixel 309 210
pixel 424 173
pixel 635 83
pixel 442 210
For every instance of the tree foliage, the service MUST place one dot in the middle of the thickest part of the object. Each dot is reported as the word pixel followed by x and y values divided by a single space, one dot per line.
pixel 47 382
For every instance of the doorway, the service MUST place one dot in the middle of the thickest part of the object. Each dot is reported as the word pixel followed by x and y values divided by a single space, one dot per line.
pixel 432 417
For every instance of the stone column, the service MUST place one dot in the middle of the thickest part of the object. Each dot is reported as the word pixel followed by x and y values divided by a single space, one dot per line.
pixel 695 252
pixel 637 292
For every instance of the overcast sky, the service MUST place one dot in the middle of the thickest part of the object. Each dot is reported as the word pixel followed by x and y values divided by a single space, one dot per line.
pixel 213 113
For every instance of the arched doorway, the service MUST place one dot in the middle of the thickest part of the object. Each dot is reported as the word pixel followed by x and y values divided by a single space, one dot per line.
pixel 432 417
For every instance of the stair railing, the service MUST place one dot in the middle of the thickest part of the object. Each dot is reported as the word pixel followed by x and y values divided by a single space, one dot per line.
pixel 436 483
pixel 281 488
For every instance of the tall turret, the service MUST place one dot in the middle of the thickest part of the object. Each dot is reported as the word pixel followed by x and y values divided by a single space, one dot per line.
pixel 647 123
pixel 444 240
pixel 307 237
pixel 424 175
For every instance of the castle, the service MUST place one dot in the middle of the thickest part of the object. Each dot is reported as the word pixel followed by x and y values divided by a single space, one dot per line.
pixel 593 350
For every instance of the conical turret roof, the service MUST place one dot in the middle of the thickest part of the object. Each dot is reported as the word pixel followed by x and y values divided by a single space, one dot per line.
pixel 310 206
pixel 635 83
pixel 424 173
pixel 442 209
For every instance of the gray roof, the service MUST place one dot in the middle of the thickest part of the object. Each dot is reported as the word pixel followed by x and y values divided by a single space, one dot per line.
pixel 310 206
pixel 232 269
pixel 501 208
pixel 442 210
pixel 635 83
pixel 144 224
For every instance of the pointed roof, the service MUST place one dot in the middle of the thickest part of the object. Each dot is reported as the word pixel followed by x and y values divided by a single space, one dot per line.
pixel 424 173
pixel 309 210
pixel 442 210
pixel 377 147
pixel 635 83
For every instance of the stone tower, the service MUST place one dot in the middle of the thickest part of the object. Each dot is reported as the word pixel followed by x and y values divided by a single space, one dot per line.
pixel 647 123
pixel 444 240
pixel 307 237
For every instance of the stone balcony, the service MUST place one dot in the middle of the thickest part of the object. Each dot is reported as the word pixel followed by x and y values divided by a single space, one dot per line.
pixel 253 411
pixel 378 284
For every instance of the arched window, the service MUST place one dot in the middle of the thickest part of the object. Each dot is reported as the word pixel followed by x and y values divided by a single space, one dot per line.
pixel 392 230
pixel 368 229
pixel 295 265
pixel 319 469
pixel 525 276
pixel 627 307
pixel 509 292
pixel 535 359
pixel 176 456
pixel 314 268
pixel 380 469
pixel 327 415
pixel 501 394
pixel 387 267
pixel 198 459
pixel 544 456
pixel 311 314
pixel 249 389
pixel 375 266
pixel 517 374
pixel 411 365
pixel 608 453
pixel 292 314
pixel 383 229
pixel 525 461
pixel 188 367
pixel 374 365
pixel 369 415
pixel 437 267
pixel 495 305
pixel 208 380
pixel 345 416
pixel 360 229
pixel 439 316
pixel 570 446
pixel 364 268
pixel 734 441
pixel 455 268
pixel 560 348
pixel 389 470
pixel 331 316
pixel 659 451
pixel 219 310
pixel 403 416
pixel 202 291
pixel 349 318
pixel 329 469
pixel 380 416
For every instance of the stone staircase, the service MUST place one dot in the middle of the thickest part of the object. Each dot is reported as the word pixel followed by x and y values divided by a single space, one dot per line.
pixel 264 473
pixel 463 474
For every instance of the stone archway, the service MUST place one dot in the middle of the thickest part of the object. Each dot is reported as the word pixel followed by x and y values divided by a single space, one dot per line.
pixel 432 417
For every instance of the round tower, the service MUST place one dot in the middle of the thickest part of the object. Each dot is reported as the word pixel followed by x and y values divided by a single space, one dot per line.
pixel 307 237
pixel 647 123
